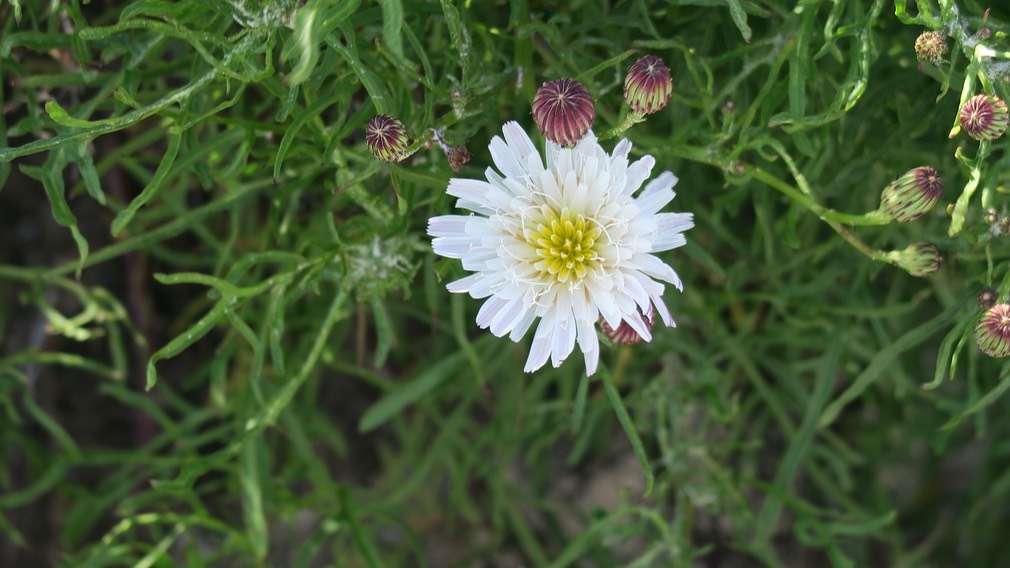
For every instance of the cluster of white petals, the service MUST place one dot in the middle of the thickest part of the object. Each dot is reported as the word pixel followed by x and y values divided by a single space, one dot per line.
pixel 568 243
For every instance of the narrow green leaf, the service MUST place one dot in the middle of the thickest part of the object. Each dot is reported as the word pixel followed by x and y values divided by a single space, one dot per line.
pixel 252 498
pixel 883 361
pixel 579 407
pixel 394 402
pixel 739 16
pixel 628 425
pixel 365 544
pixel 458 34
pixel 161 175
pixel 384 338
pixel 988 398
pixel 312 24
pixel 308 113
pixel 800 444
pixel 193 334
pixel 51 176
pixel 63 118
pixel 392 24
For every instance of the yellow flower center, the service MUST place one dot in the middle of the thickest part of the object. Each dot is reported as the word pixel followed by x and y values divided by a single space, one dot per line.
pixel 566 245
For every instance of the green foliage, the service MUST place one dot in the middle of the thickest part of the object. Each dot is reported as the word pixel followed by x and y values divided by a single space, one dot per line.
pixel 234 347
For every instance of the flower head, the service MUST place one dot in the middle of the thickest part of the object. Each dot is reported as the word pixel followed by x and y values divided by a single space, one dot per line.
pixel 918 259
pixel 567 242
pixel 647 86
pixel 984 117
pixel 387 138
pixel 929 46
pixel 912 195
pixel 992 332
pixel 563 111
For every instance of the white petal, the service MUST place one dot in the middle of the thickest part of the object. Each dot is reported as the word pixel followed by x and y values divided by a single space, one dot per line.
pixel 520 143
pixel 507 162
pixel 453 247
pixel 637 173
pixel 448 225
pixel 564 331
pixel 540 350
pixel 592 356
pixel 664 312
pixel 463 284
pixel 489 310
pixel 474 195
pixel 508 317
pixel 523 325
pixel 621 151
pixel 658 269
pixel 670 229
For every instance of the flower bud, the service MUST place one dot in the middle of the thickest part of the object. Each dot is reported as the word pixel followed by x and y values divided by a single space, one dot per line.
pixel 563 111
pixel 625 334
pixel 387 138
pixel 458 157
pixel 984 117
pixel 912 195
pixel 930 47
pixel 992 332
pixel 987 298
pixel 648 85
pixel 918 259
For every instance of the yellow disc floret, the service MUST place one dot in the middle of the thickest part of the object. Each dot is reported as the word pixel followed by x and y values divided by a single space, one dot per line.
pixel 566 245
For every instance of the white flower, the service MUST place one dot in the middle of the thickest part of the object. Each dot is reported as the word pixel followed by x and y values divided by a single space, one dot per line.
pixel 568 244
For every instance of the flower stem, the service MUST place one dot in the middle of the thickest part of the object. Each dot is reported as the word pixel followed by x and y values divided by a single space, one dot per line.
pixel 630 120
pixel 834 219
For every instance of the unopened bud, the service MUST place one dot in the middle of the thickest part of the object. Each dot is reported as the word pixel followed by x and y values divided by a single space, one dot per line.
pixel 625 334
pixel 912 195
pixel 992 332
pixel 930 47
pixel 563 111
pixel 984 117
pixel 387 138
pixel 647 86
pixel 918 259
pixel 987 298
pixel 458 157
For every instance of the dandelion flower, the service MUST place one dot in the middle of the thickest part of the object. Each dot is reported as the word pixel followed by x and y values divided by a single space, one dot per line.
pixel 567 243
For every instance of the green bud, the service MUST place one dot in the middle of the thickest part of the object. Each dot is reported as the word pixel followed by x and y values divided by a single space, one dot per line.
pixel 992 332
pixel 918 259
pixel 647 86
pixel 912 195
pixel 387 138
pixel 984 117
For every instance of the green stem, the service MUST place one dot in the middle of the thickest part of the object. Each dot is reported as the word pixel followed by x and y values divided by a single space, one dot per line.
pixel 832 218
pixel 630 120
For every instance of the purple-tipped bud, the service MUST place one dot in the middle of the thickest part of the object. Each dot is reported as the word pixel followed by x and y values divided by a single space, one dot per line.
pixel 930 47
pixel 458 157
pixel 992 332
pixel 563 111
pixel 625 334
pixel 648 85
pixel 912 195
pixel 387 138
pixel 918 259
pixel 984 117
pixel 987 298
